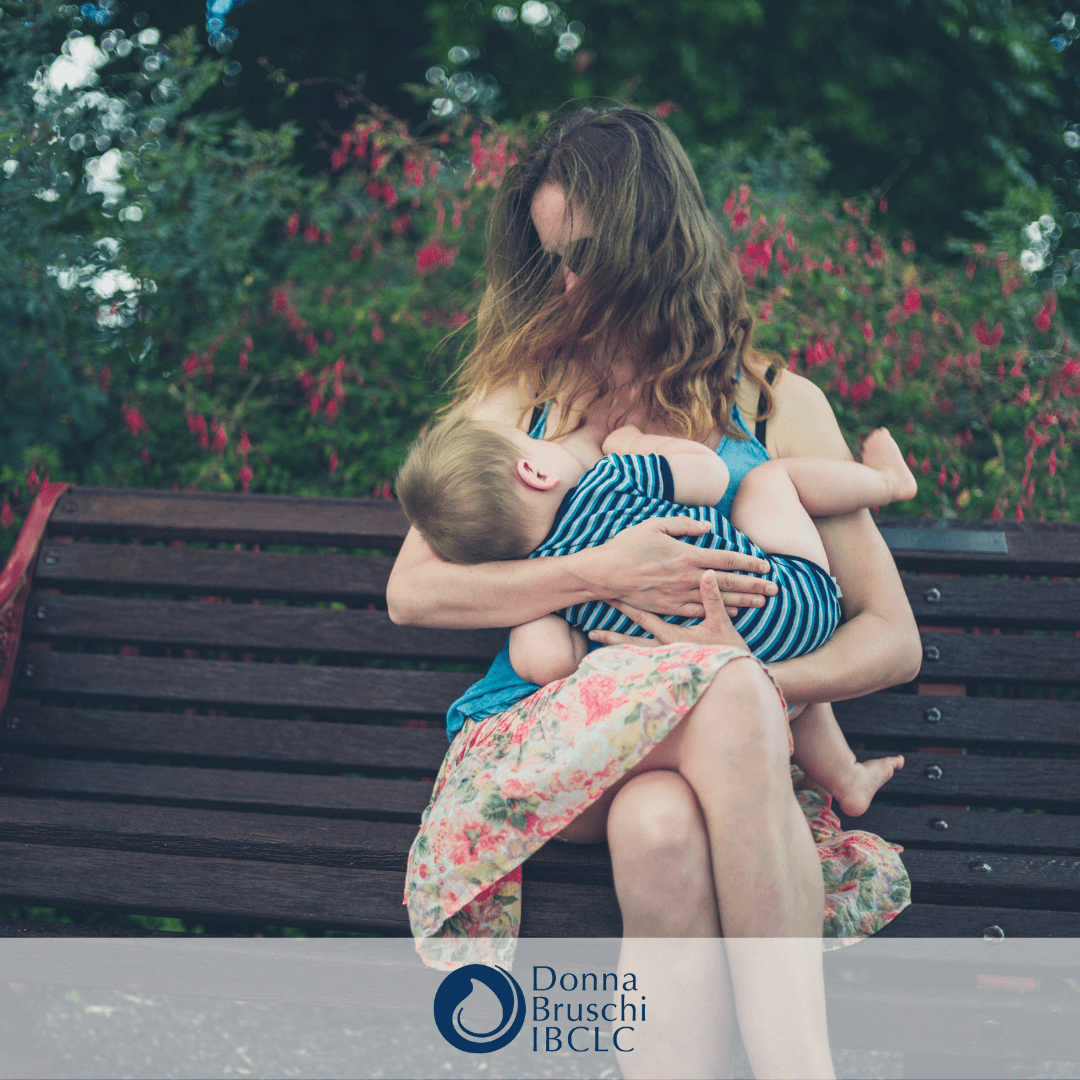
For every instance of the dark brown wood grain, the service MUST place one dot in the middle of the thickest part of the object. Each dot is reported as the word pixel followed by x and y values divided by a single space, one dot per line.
pixel 30 726
pixel 1034 547
pixel 972 830
pixel 966 778
pixel 185 571
pixel 968 721
pixel 933 920
pixel 301 686
pixel 1046 881
pixel 1008 602
pixel 249 627
pixel 258 519
pixel 384 800
pixel 175 830
pixel 186 887
pixel 1000 658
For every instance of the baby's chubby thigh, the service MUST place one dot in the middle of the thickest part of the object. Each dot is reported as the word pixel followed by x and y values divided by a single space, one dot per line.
pixel 767 510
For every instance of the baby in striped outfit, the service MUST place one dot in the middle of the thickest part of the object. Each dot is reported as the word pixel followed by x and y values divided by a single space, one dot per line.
pixel 480 491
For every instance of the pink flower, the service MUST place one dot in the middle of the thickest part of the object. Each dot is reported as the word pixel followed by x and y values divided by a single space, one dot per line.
pixel 6 516
pixel 1042 319
pixel 134 421
pixel 740 219
pixel 868 332
pixel 246 476
pixel 912 301
pixel 433 254
pixel 985 336
pixel 907 245
pixel 292 224
pixel 221 440
pixel 333 462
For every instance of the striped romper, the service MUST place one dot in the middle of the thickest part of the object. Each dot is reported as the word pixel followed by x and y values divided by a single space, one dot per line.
pixel 625 490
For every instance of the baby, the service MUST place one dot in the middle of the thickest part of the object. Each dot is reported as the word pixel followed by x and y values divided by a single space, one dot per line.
pixel 479 491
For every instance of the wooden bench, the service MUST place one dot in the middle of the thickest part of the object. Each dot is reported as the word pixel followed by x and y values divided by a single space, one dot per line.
pixel 212 717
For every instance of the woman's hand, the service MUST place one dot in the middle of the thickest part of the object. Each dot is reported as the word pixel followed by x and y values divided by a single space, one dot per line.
pixel 646 567
pixel 715 629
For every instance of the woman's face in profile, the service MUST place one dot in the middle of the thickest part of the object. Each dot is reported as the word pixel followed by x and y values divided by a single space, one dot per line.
pixel 556 227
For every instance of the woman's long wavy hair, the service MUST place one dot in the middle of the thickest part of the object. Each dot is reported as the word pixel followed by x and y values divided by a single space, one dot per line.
pixel 658 286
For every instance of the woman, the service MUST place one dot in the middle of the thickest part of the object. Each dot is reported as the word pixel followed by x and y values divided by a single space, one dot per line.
pixel 612 298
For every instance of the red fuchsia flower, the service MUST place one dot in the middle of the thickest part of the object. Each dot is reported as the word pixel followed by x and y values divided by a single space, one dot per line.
pixel 912 301
pixel 190 365
pixel 969 269
pixel 244 446
pixel 730 204
pixel 414 172
pixel 32 481
pixel 765 311
pixel 755 260
pixel 1019 512
pixel 862 390
pixel 1052 462
pixel 246 476
pixel 292 224
pixel 243 362
pixel 311 232
pixel 7 518
pixel 926 465
pixel 665 108
pixel 789 239
pixel 354 253
pixel 333 463
pixel 105 378
pixel 744 192
pixel 144 453
pixel 377 161
pixel 378 335
pixel 990 338
pixel 134 421
pixel 314 404
pixel 941 477
pixel 400 225
pixel 851 245
pixel 868 332
pixel 221 440
pixel 883 206
pixel 907 245
pixel 912 463
pixel 311 344
pixel 1042 319
pixel 305 380
pixel 782 262
pixel 740 219
pixel 433 254
pixel 459 318
pixel 331 410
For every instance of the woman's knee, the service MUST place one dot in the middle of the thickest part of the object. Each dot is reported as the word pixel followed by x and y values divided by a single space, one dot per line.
pixel 660 858
pixel 743 705
pixel 653 814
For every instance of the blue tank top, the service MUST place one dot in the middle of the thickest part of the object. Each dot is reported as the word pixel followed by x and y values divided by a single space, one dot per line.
pixel 502 687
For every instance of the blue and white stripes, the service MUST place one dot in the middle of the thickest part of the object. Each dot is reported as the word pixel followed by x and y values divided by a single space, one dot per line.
pixel 625 490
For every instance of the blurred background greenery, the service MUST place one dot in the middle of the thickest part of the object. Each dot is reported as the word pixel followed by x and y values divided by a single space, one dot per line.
pixel 234 237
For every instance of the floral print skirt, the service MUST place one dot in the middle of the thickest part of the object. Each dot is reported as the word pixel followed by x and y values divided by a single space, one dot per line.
pixel 509 783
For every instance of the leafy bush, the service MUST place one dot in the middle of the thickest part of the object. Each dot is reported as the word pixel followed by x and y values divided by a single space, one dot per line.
pixel 192 312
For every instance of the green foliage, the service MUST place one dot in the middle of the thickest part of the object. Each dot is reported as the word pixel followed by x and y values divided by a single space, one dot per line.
pixel 948 104
pixel 202 315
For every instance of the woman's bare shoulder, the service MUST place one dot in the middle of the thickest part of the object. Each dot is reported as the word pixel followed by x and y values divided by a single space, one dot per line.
pixel 504 405
pixel 803 424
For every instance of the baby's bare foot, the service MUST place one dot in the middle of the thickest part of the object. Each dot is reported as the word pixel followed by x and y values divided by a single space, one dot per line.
pixel 866 777
pixel 881 453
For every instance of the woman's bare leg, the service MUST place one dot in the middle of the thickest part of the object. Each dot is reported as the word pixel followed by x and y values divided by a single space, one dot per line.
pixel 732 751
pixel 663 878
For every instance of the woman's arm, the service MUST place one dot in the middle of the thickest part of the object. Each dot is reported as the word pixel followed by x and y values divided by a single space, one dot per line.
pixel 878 646
pixel 645 565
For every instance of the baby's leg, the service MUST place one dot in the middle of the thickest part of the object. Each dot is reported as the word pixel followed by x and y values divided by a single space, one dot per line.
pixel 767 509
pixel 827 486
pixel 822 752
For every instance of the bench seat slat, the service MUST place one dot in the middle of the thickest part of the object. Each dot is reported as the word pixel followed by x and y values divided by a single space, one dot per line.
pixel 1046 605
pixel 1050 548
pixel 173 830
pixel 972 829
pixel 1000 658
pixel 972 721
pixel 258 519
pixel 299 575
pixel 204 888
pixel 228 683
pixel 387 800
pixel 345 747
pixel 249 627
pixel 966 778
pixel 306 896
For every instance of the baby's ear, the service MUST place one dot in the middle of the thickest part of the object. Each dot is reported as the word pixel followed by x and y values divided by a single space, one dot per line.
pixel 529 473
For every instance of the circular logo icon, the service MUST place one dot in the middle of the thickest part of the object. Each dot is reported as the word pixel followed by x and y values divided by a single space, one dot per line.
pixel 456 988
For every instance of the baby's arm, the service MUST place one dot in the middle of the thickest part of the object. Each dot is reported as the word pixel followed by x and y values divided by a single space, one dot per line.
pixel 546 649
pixel 700 477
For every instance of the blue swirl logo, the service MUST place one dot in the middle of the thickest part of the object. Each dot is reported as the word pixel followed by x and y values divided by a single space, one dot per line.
pixel 454 991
